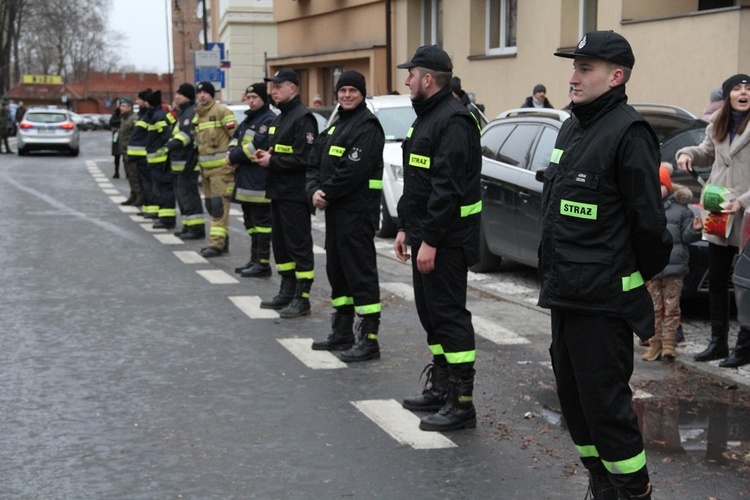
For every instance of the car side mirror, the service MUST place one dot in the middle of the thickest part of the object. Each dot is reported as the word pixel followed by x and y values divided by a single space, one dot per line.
pixel 540 174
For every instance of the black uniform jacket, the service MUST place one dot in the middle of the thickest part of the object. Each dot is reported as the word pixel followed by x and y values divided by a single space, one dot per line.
pixel 251 135
pixel 291 136
pixel 182 151
pixel 160 126
pixel 347 162
pixel 604 231
pixel 441 203
pixel 137 142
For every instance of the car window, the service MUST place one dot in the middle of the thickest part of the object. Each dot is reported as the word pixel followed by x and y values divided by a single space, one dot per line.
pixel 396 122
pixel 544 148
pixel 516 149
pixel 493 139
pixel 46 117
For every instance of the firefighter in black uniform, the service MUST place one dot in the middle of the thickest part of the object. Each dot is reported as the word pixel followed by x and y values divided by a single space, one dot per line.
pixel 438 217
pixel 160 124
pixel 137 153
pixel 291 137
pixel 183 158
pixel 603 236
pixel 250 180
pixel 345 179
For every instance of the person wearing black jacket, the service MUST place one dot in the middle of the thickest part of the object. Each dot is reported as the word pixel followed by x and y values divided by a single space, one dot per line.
pixel 161 122
pixel 137 153
pixel 438 217
pixel 183 158
pixel 250 180
pixel 604 234
pixel 114 124
pixel 345 178
pixel 291 137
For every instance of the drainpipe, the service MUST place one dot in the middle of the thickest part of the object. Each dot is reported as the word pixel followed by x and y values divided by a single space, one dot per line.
pixel 388 55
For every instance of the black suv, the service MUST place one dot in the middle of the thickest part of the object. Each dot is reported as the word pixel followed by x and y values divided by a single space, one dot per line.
pixel 518 144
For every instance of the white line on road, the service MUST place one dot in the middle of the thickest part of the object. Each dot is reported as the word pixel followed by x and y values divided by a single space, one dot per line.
pixel 119 199
pixel 402 425
pixel 250 305
pixel 113 191
pixel 318 250
pixel 400 289
pixel 138 218
pixel 129 209
pixel 235 212
pixel 190 257
pixel 106 185
pixel 169 239
pixel 217 277
pixel 316 360
pixel 496 333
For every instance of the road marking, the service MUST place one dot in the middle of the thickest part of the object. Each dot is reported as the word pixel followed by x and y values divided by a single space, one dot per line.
pixel 119 199
pixel 383 245
pixel 235 212
pixel 319 250
pixel 129 209
pixel 250 305
pixel 316 360
pixel 106 185
pixel 112 191
pixel 169 239
pixel 400 289
pixel 217 277
pixel 99 176
pixel 401 424
pixel 190 257
pixel 495 333
pixel 138 218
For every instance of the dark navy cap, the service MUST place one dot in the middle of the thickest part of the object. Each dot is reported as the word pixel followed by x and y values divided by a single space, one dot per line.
pixel 430 57
pixel 284 75
pixel 605 45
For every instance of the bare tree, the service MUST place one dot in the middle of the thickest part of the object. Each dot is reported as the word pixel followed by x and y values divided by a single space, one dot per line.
pixel 9 12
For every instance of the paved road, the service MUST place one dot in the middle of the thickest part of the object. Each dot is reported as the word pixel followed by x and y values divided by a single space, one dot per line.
pixel 133 368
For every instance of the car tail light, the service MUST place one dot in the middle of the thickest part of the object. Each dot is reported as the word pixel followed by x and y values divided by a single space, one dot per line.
pixel 68 126
pixel 25 125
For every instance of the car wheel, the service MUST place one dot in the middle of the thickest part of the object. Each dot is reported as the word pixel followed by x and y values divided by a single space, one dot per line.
pixel 75 152
pixel 22 152
pixel 388 228
pixel 487 261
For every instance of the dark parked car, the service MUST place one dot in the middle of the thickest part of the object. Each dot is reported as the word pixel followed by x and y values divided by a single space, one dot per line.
pixel 518 144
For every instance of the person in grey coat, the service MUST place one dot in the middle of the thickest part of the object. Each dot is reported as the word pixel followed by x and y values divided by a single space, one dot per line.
pixel 666 287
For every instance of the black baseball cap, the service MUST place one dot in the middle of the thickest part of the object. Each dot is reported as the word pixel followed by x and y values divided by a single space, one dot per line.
pixel 284 75
pixel 430 57
pixel 605 45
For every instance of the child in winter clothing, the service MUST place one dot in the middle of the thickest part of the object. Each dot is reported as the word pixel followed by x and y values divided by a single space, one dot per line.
pixel 666 287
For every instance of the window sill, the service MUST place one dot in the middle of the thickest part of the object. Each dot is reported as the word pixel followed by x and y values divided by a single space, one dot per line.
pixel 482 57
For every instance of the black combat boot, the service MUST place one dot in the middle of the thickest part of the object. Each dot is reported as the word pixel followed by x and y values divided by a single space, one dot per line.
pixel 285 295
pixel 129 201
pixel 718 347
pixel 626 495
pixel 458 411
pixel 241 268
pixel 257 270
pixel 741 354
pixel 435 390
pixel 341 336
pixel 181 231
pixel 600 488
pixel 366 347
pixel 300 304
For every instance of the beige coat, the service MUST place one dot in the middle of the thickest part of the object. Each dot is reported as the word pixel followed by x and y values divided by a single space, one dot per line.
pixel 730 167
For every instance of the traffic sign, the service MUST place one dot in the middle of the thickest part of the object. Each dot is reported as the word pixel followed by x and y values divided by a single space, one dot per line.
pixel 207 58
pixel 216 47
pixel 213 75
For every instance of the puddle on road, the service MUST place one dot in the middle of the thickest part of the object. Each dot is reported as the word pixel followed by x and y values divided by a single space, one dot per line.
pixel 708 430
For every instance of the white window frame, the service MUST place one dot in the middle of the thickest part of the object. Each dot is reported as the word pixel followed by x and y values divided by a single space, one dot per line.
pixel 435 7
pixel 583 6
pixel 502 49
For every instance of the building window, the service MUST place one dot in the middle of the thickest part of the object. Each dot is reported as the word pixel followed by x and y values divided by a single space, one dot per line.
pixel 432 22
pixel 501 26
pixel 587 21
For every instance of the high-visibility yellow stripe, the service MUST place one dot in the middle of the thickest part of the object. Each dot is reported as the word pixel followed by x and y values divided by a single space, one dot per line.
pixel 271 130
pixel 285 266
pixel 472 209
pixel 455 358
pixel 408 132
pixel 628 466
pixel 342 301
pixel 283 148
pixel 368 309
pixel 305 275
pixel 219 231
pixel 142 124
pixel 136 151
pixel 556 155
pixel 209 125
pixel 330 130
pixel 167 212
pixel 376 184
pixel 436 349
pixel 631 282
